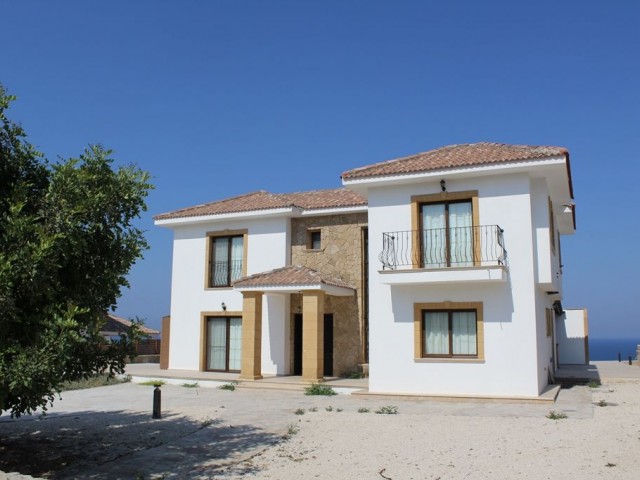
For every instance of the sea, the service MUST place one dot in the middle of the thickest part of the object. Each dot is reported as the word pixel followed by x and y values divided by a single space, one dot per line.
pixel 609 348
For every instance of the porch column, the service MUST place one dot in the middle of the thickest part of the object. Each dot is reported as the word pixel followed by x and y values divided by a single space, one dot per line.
pixel 313 336
pixel 251 368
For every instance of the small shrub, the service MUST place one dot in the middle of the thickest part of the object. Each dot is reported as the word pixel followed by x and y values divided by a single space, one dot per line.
pixel 329 408
pixel 228 386
pixel 356 375
pixel 206 422
pixel 190 385
pixel 299 411
pixel 292 429
pixel 363 410
pixel 95 381
pixel 338 410
pixel 313 409
pixel 319 389
pixel 602 403
pixel 553 415
pixel 152 383
pixel 593 384
pixel 387 410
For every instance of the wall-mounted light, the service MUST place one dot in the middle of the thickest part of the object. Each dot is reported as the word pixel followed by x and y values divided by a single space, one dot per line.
pixel 224 307
pixel 443 186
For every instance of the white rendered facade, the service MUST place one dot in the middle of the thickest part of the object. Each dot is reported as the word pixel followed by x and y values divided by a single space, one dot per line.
pixel 515 298
pixel 267 246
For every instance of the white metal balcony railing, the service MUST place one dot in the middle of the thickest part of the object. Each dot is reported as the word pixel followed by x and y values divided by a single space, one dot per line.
pixel 444 247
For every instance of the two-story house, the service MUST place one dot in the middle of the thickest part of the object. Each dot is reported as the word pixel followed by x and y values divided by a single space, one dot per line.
pixel 442 271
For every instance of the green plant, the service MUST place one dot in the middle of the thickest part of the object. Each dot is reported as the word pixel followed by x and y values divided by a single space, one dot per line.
pixel 228 386
pixel 387 410
pixel 292 429
pixel 91 382
pixel 152 383
pixel 602 403
pixel 356 375
pixel 313 409
pixel 319 389
pixel 299 411
pixel 593 384
pixel 206 422
pixel 363 410
pixel 553 415
pixel 190 385
pixel 338 410
pixel 329 408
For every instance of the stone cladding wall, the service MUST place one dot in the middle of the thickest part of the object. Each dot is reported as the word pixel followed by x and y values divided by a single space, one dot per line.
pixel 341 256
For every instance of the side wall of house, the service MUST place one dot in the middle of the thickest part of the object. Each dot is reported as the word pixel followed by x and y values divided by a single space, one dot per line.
pixel 267 247
pixel 340 256
pixel 509 367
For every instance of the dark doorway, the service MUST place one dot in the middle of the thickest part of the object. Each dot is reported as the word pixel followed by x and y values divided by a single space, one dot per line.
pixel 297 344
pixel 328 344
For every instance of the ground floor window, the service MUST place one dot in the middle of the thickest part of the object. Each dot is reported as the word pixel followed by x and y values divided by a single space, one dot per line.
pixel 449 330
pixel 450 333
pixel 224 343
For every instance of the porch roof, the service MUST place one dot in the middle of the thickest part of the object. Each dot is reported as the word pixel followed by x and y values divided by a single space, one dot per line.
pixel 293 279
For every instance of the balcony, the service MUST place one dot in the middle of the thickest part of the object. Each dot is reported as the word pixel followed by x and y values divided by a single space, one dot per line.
pixel 454 254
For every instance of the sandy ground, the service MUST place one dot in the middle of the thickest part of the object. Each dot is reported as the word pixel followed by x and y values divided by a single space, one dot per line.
pixel 107 432
pixel 444 445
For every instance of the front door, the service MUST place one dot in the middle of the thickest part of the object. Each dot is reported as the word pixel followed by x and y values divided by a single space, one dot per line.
pixel 328 344
pixel 224 344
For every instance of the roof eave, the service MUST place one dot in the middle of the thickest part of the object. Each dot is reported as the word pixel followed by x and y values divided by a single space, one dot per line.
pixel 196 219
pixel 333 290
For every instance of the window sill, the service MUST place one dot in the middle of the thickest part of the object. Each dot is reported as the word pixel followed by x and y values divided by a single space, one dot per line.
pixel 449 360
pixel 313 250
pixel 226 287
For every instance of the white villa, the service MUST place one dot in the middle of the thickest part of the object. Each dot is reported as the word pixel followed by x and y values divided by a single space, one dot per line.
pixel 438 273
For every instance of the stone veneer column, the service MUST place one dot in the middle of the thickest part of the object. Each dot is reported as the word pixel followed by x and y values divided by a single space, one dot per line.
pixel 313 336
pixel 251 336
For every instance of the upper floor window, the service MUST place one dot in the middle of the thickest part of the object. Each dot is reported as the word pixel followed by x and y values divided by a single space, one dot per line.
pixel 226 260
pixel 314 240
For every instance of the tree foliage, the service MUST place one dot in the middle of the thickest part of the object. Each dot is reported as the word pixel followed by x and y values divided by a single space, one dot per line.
pixel 67 241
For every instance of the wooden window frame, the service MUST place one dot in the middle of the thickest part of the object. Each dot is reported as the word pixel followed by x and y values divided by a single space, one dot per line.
pixel 310 234
pixel 209 256
pixel 418 324
pixel 549 317
pixel 204 351
pixel 417 201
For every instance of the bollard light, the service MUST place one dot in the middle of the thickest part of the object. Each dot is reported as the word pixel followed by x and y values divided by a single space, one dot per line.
pixel 157 400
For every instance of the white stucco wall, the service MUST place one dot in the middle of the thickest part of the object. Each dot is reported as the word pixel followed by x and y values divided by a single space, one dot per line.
pixel 510 311
pixel 268 247
pixel 571 332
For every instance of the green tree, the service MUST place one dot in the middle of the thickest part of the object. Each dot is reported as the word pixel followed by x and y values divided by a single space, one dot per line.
pixel 67 241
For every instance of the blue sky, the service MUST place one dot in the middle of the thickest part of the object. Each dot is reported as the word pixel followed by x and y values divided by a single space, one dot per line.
pixel 219 98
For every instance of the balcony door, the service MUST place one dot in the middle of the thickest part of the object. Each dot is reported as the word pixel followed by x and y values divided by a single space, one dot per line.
pixel 447 234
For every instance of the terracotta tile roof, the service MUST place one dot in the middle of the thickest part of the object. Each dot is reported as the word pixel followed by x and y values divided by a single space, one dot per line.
pixel 333 198
pixel 472 154
pixel 120 325
pixel 262 200
pixel 293 275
